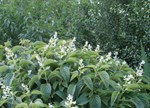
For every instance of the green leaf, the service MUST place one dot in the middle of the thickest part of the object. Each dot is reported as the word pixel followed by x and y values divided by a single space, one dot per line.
pixel 46 90
pixel 87 80
pixel 115 85
pixel 50 62
pixel 145 86
pixel 71 60
pixel 138 103
pixel 17 48
pixel 79 87
pixel 105 66
pixel 39 103
pixel 8 79
pixel 1 52
pixel 3 68
pixel 74 75
pixel 33 80
pixel 133 86
pixel 22 105
pixel 65 73
pixel 2 102
pixel 39 44
pixel 91 66
pixel 61 94
pixel 55 84
pixel 95 101
pixel 145 99
pixel 146 65
pixel 25 63
pixel 37 92
pixel 114 97
pixel 71 89
pixel 82 100
pixel 54 74
pixel 105 78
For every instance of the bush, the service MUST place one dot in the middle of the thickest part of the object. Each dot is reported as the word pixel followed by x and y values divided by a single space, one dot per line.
pixel 36 74
pixel 114 25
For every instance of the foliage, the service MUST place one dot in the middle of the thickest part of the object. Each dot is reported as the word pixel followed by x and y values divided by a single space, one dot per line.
pixel 146 65
pixel 57 74
pixel 117 25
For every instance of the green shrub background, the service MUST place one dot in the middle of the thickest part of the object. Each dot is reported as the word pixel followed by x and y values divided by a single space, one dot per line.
pixel 116 25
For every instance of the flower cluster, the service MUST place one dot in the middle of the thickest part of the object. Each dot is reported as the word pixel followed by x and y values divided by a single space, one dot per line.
pixel 9 53
pixel 53 40
pixel 81 64
pixel 139 70
pixel 50 105
pixel 128 78
pixel 103 59
pixel 26 88
pixel 40 60
pixel 70 103
pixel 7 92
pixel 117 62
pixel 97 48
pixel 71 46
pixel 87 46
pixel 24 42
pixel 66 48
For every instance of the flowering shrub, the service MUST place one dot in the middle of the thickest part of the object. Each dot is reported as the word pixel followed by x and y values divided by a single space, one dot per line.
pixel 113 24
pixel 57 74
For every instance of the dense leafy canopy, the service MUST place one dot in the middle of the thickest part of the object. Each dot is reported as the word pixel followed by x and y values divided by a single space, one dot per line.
pixel 57 74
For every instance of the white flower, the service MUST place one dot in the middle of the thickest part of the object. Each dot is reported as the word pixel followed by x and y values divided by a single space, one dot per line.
pixel 53 22
pixel 70 98
pixel 97 48
pixel 9 53
pixel 4 97
pixel 25 87
pixel 118 84
pixel 139 72
pixel 55 35
pixel 109 54
pixel 124 62
pixel 46 48
pixel 71 46
pixel 53 40
pixel 70 103
pixel 78 1
pixel 50 105
pixel 116 53
pixel 40 60
pixel 29 72
pixel 129 82
pixel 108 57
pixel 128 77
pixel 89 47
pixel 74 39
pixel 81 62
pixel 142 63
pixel 117 62
pixel 6 91
pixel 101 59
pixel 86 43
